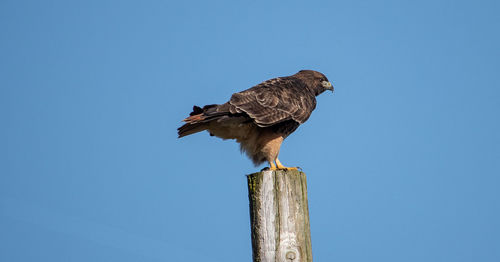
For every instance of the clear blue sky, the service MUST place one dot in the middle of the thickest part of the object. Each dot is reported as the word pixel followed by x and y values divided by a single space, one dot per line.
pixel 403 161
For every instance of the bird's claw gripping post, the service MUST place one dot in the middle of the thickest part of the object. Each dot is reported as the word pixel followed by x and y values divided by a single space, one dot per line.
pixel 279 166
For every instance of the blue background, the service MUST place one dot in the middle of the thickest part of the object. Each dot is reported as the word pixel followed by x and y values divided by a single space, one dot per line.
pixel 403 160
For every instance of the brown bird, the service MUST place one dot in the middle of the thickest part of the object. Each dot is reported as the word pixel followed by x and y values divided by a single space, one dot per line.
pixel 261 117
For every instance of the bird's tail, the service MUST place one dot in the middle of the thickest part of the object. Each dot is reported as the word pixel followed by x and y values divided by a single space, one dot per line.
pixel 197 120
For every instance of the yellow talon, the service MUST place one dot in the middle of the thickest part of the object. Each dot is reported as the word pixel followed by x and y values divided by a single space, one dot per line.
pixel 281 166
pixel 273 166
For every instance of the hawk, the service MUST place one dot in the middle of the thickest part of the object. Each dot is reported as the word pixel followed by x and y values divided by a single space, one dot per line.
pixel 261 117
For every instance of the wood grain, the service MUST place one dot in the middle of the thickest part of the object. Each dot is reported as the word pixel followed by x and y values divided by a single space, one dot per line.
pixel 279 216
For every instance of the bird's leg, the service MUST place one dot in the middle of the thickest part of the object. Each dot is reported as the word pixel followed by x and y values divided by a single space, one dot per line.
pixel 273 166
pixel 280 166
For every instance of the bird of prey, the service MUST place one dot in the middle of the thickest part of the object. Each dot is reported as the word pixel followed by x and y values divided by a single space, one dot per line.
pixel 261 117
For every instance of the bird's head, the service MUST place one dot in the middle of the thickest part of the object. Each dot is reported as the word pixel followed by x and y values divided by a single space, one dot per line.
pixel 315 80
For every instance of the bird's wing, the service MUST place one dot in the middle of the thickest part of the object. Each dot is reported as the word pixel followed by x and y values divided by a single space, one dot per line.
pixel 275 101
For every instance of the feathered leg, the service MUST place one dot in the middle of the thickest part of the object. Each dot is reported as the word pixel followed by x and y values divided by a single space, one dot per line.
pixel 271 150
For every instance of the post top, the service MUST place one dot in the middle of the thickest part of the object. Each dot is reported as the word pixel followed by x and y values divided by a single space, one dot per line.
pixel 278 172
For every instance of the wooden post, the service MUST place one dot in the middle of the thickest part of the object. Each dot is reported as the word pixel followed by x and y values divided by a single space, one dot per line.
pixel 279 216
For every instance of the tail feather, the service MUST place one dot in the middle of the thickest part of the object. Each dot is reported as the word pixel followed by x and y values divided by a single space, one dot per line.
pixel 189 129
pixel 198 119
pixel 194 119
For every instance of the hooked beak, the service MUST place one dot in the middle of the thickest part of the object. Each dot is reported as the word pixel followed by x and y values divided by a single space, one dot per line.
pixel 327 85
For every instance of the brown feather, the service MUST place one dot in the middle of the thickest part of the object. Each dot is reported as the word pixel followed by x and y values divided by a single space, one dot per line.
pixel 261 117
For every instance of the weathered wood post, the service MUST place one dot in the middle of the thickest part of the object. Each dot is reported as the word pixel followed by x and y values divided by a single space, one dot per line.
pixel 279 216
